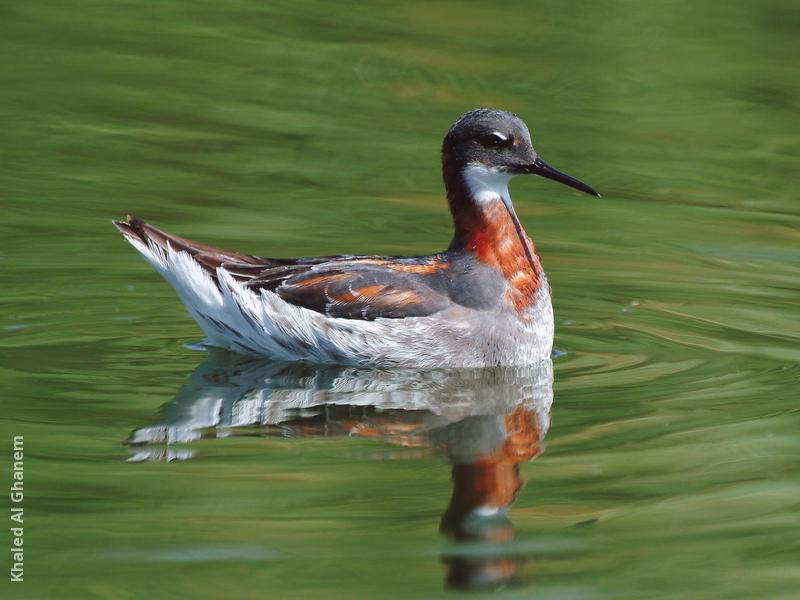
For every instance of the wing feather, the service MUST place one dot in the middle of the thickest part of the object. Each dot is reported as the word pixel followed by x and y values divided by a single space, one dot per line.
pixel 361 289
pixel 354 287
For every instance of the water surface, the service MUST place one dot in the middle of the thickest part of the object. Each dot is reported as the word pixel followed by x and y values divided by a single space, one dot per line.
pixel 665 434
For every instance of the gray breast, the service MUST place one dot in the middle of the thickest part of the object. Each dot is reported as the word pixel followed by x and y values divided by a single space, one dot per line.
pixel 472 284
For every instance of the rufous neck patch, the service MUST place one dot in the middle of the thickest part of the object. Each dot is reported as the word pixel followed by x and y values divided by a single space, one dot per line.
pixel 490 234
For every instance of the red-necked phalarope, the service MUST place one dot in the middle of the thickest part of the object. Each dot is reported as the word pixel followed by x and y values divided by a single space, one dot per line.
pixel 484 301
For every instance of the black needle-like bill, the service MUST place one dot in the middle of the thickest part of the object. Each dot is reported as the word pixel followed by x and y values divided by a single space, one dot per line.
pixel 539 167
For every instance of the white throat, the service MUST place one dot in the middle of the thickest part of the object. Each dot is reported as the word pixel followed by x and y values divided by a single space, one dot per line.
pixel 487 184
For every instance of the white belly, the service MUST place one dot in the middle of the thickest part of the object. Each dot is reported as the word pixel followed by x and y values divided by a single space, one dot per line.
pixel 261 323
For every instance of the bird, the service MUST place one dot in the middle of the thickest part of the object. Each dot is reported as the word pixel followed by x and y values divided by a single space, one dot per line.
pixel 484 301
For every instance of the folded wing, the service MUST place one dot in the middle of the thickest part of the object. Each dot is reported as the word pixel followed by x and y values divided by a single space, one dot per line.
pixel 353 287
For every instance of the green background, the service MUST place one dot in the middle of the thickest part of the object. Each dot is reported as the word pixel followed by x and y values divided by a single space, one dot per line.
pixel 305 128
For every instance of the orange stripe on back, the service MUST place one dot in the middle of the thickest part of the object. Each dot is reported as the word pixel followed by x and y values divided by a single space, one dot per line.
pixel 426 269
pixel 400 298
pixel 320 279
pixel 369 291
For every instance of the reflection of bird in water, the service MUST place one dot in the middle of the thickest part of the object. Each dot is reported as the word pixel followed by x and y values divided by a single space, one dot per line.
pixel 487 421
pixel 484 487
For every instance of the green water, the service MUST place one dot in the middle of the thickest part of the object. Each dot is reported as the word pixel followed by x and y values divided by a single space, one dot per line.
pixel 667 465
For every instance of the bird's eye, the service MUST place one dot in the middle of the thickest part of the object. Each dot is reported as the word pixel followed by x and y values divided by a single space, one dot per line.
pixel 493 140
